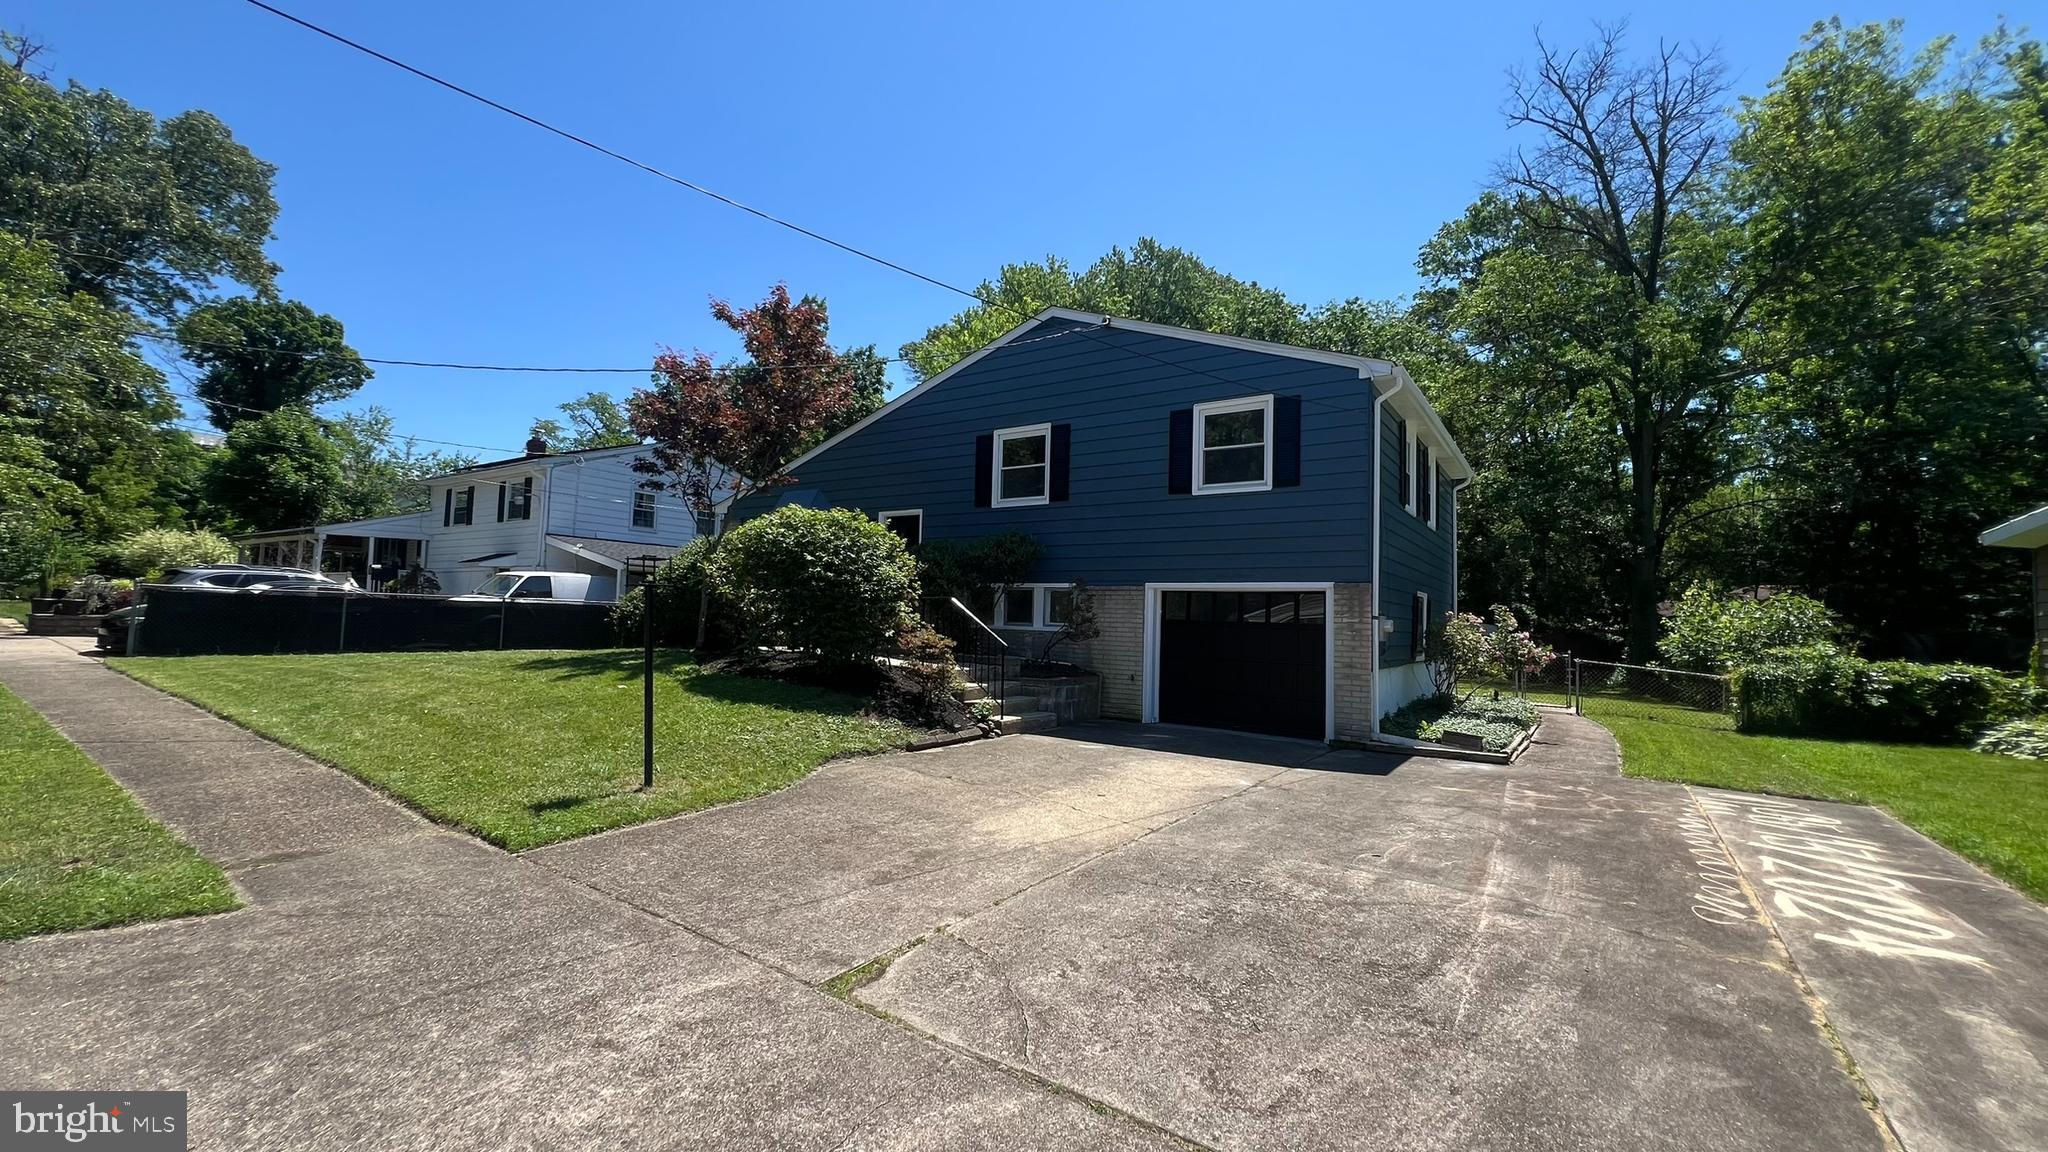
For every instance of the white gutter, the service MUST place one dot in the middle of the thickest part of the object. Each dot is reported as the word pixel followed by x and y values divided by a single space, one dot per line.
pixel 1460 486
pixel 1379 498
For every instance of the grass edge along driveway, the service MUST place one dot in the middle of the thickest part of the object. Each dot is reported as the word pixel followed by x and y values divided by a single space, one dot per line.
pixel 525 748
pixel 1989 809
pixel 76 850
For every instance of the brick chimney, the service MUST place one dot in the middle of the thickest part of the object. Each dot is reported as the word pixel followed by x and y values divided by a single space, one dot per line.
pixel 536 446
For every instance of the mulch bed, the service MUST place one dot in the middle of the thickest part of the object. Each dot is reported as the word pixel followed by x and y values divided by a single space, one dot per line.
pixel 890 690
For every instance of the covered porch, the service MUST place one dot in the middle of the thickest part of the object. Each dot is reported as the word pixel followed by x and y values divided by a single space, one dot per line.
pixel 374 552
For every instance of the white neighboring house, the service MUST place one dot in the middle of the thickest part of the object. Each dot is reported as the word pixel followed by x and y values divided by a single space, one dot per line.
pixel 557 511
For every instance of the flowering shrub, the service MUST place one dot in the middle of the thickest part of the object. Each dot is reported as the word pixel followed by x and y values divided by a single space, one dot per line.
pixel 1466 649
pixel 1709 632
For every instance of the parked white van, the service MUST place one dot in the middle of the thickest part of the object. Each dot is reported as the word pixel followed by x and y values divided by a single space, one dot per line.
pixel 575 586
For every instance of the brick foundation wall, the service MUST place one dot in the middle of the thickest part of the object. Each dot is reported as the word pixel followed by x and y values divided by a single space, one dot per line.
pixel 1351 636
pixel 1119 653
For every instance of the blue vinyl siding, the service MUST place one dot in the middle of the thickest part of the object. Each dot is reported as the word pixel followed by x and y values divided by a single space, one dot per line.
pixel 1415 556
pixel 1120 526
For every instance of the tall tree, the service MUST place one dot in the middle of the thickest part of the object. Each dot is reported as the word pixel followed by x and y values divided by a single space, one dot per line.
pixel 258 355
pixel 1149 282
pixel 721 432
pixel 142 213
pixel 278 470
pixel 381 472
pixel 1604 272
pixel 1905 407
pixel 595 420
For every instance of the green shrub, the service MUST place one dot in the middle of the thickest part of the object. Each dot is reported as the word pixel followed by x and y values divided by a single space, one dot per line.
pixel 834 583
pixel 154 549
pixel 931 673
pixel 1710 632
pixel 972 569
pixel 678 586
pixel 1816 691
pixel 2026 739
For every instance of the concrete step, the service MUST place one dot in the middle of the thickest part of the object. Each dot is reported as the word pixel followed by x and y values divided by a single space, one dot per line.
pixel 973 692
pixel 1027 722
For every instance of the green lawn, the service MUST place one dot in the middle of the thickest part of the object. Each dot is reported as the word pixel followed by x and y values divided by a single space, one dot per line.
pixel 527 748
pixel 14 610
pixel 1991 809
pixel 76 851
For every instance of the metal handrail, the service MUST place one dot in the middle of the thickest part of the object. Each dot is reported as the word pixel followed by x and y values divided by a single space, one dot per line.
pixel 969 613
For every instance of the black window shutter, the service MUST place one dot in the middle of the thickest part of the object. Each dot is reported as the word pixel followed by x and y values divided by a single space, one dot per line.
pixel 1423 469
pixel 501 501
pixel 1180 452
pixel 1401 447
pixel 526 505
pixel 1286 441
pixel 1416 625
pixel 1062 445
pixel 448 508
pixel 471 510
pixel 984 468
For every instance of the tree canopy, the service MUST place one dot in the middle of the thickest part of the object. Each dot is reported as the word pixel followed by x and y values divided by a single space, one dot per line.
pixel 258 355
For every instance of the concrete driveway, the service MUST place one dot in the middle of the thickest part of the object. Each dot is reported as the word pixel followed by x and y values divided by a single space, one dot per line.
pixel 1111 937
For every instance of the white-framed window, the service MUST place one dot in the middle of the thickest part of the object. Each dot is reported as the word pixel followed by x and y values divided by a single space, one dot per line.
pixel 907 523
pixel 1429 477
pixel 1022 470
pixel 1041 607
pixel 1418 628
pixel 464 506
pixel 1233 450
pixel 643 509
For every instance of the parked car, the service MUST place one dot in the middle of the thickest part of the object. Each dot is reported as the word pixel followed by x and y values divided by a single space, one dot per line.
pixel 571 586
pixel 303 584
pixel 113 629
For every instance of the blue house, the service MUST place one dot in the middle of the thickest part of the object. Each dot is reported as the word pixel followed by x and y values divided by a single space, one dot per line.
pixel 1267 531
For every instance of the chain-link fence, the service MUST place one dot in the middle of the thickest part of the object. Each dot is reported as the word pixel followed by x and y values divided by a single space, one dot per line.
pixel 1694 699
pixel 1600 688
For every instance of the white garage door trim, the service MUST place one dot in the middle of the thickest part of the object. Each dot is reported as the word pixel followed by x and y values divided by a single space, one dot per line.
pixel 1328 588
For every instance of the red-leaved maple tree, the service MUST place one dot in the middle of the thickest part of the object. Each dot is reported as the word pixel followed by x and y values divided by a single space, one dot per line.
pixel 719 432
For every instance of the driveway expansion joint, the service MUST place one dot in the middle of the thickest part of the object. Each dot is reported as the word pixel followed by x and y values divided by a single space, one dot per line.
pixel 1816 1006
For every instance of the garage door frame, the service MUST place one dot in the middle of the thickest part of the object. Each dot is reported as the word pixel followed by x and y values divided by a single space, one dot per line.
pixel 1154 601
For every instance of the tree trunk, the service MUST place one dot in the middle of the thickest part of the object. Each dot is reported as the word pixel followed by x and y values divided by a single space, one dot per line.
pixel 704 593
pixel 1646 551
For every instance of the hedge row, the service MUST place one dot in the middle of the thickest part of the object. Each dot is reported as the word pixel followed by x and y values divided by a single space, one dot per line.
pixel 1825 693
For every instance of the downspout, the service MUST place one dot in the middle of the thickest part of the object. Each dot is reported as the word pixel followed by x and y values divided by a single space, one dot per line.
pixel 1460 486
pixel 1378 498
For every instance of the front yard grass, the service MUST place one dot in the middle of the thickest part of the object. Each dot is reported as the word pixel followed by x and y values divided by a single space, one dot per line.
pixel 528 748
pixel 1990 809
pixel 16 610
pixel 76 851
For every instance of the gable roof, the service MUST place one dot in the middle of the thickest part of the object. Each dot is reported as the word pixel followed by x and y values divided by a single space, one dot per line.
pixel 1406 395
pixel 535 458
pixel 2025 531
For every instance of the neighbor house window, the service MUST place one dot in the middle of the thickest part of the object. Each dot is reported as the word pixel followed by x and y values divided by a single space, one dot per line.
pixel 1043 606
pixel 465 501
pixel 1234 445
pixel 1023 461
pixel 908 524
pixel 519 499
pixel 643 509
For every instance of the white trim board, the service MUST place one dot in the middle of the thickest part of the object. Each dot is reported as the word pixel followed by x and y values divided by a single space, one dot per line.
pixel 1150 708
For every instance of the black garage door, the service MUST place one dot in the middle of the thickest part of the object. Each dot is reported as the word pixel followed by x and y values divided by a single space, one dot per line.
pixel 1252 661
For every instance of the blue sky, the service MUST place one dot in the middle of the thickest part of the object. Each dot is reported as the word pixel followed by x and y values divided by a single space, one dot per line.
pixel 1313 148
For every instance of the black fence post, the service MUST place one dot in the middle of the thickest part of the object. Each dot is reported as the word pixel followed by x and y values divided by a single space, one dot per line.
pixel 341 640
